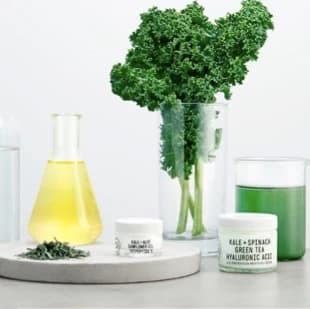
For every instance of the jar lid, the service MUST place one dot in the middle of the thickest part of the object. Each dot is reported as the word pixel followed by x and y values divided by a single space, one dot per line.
pixel 139 225
pixel 248 221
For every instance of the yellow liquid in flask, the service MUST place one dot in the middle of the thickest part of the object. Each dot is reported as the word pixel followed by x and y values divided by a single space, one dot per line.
pixel 65 208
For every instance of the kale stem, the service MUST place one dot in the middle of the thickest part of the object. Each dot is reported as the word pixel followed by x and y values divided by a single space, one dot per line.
pixel 198 227
pixel 183 214
pixel 192 207
pixel 191 203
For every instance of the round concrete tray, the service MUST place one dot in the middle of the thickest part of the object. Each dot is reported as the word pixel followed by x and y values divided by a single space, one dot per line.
pixel 177 260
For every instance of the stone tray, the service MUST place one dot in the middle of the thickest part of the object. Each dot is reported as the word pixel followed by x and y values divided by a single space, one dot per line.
pixel 103 266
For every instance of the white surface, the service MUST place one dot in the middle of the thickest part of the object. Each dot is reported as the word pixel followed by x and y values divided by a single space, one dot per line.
pixel 56 57
pixel 241 221
pixel 288 287
pixel 102 266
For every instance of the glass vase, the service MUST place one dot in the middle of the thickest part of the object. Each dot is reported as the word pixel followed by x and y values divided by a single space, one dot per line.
pixel 192 174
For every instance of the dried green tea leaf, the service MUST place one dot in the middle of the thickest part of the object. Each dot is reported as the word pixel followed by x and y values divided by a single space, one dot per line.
pixel 54 250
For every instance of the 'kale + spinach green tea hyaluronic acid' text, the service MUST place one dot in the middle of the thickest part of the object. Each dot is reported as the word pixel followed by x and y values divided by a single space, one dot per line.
pixel 276 186
pixel 289 205
pixel 248 242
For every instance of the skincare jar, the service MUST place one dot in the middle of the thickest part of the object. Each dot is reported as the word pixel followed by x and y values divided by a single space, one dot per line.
pixel 138 237
pixel 247 242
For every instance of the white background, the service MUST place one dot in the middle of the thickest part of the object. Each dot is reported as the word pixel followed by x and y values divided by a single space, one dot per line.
pixel 55 56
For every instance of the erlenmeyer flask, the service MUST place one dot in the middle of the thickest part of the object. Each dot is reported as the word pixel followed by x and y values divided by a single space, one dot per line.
pixel 65 208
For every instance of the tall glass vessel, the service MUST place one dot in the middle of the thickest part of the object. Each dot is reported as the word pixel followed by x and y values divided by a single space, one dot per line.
pixel 192 175
pixel 9 181
pixel 65 208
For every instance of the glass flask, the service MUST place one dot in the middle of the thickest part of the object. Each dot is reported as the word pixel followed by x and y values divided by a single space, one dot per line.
pixel 193 139
pixel 66 207
pixel 276 186
pixel 9 182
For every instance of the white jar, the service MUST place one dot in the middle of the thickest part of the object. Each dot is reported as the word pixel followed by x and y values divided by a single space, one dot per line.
pixel 247 242
pixel 138 237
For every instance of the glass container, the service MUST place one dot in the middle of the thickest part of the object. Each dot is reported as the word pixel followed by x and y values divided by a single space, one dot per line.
pixel 192 175
pixel 276 186
pixel 65 208
pixel 9 182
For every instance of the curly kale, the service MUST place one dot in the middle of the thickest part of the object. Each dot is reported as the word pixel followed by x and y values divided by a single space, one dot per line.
pixel 181 138
pixel 180 57
pixel 184 57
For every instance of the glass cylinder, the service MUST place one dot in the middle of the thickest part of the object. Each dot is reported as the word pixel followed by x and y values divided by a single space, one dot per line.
pixel 276 186
pixel 65 208
pixel 192 175
pixel 9 194
pixel 9 182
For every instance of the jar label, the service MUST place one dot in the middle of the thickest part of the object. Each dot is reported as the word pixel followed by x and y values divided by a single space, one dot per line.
pixel 248 250
pixel 137 245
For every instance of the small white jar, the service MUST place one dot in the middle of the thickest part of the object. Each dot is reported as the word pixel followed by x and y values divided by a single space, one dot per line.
pixel 248 242
pixel 138 237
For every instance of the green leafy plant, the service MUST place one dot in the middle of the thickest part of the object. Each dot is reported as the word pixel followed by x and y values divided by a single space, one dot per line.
pixel 54 250
pixel 182 57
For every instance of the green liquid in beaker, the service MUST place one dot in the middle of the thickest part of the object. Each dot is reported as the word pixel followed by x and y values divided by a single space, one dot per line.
pixel 289 204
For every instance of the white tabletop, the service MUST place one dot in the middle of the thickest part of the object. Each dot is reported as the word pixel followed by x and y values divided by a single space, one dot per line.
pixel 288 287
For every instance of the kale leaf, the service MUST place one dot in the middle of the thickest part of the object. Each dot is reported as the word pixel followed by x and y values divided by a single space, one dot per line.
pixel 184 57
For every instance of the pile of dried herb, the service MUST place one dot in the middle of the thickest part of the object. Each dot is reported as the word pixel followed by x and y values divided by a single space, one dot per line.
pixel 54 250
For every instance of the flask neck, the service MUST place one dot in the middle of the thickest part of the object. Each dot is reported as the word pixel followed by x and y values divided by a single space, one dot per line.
pixel 66 137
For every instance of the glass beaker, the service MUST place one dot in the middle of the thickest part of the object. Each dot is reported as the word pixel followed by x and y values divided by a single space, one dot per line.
pixel 9 182
pixel 276 186
pixel 193 140
pixel 66 208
